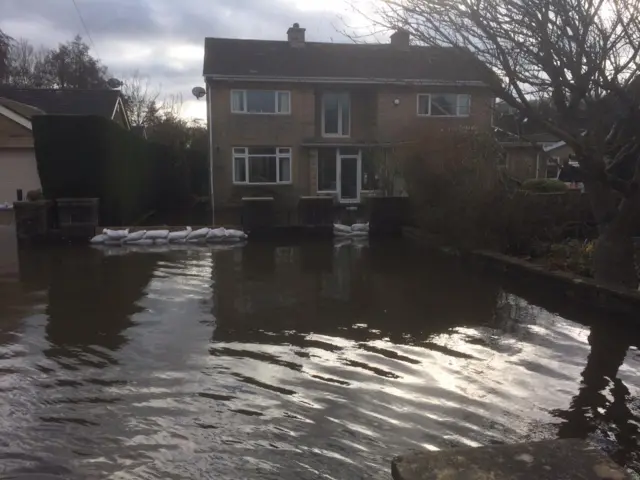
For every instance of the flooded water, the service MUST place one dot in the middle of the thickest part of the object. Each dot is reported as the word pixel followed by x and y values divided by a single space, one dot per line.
pixel 292 362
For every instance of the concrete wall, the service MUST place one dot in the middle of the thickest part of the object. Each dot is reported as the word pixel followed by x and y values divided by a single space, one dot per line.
pixel 375 117
pixel 19 170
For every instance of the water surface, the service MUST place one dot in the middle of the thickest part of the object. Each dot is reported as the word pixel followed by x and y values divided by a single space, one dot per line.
pixel 292 361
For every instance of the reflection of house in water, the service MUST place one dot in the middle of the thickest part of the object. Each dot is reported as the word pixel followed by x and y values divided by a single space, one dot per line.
pixel 314 288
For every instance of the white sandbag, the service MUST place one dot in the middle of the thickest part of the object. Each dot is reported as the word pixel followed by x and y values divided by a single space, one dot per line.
pixel 236 234
pixel 216 234
pixel 156 234
pixel 359 234
pixel 196 234
pixel 132 237
pixel 180 235
pixel 360 227
pixel 116 234
pixel 110 241
pixel 142 242
pixel 198 240
pixel 338 227
pixel 161 241
pixel 98 239
pixel 340 233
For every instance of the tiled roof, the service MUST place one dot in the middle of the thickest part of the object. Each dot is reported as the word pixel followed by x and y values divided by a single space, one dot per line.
pixel 262 58
pixel 25 111
pixel 100 102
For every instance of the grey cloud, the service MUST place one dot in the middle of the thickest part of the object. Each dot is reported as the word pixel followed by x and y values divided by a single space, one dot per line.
pixel 160 24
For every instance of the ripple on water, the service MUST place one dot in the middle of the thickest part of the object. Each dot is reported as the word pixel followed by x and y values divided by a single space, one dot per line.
pixel 299 362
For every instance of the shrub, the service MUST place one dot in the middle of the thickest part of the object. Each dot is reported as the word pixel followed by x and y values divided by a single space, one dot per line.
pixel 544 185
pixel 458 192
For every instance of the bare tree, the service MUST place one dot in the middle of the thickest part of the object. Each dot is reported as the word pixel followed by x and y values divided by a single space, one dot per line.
pixel 140 99
pixel 5 44
pixel 583 55
pixel 26 65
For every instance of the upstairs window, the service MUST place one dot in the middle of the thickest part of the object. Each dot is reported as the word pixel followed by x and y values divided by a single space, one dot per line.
pixel 444 105
pixel 336 115
pixel 260 165
pixel 260 101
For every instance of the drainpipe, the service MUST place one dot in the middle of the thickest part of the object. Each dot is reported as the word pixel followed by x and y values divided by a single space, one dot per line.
pixel 211 149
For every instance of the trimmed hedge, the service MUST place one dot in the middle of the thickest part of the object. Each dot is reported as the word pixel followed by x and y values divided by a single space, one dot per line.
pixel 90 156
pixel 544 185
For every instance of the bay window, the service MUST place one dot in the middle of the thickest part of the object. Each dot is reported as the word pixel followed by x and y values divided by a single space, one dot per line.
pixel 260 101
pixel 336 115
pixel 444 105
pixel 261 165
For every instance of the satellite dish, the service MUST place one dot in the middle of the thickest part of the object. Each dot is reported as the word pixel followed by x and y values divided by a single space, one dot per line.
pixel 114 83
pixel 198 92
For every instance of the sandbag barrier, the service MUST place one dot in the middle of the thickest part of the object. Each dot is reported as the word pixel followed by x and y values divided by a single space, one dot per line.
pixel 357 230
pixel 145 238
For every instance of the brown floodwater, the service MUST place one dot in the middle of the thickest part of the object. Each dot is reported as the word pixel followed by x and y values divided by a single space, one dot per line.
pixel 304 361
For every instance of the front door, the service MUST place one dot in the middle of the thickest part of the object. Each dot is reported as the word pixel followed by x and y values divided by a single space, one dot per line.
pixel 349 178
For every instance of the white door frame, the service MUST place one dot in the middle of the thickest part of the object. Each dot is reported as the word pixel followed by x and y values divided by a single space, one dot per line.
pixel 339 158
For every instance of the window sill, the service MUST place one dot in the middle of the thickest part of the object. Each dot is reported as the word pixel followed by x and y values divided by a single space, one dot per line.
pixel 262 113
pixel 442 116
pixel 266 184
pixel 334 135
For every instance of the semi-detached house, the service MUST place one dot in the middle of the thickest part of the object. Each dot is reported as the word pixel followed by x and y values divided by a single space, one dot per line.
pixel 295 118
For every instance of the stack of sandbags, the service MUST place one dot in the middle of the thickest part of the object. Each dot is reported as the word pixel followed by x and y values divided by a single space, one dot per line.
pixel 162 237
pixel 355 230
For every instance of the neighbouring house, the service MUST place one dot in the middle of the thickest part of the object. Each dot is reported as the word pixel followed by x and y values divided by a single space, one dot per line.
pixel 17 155
pixel 293 118
pixel 18 106
pixel 528 153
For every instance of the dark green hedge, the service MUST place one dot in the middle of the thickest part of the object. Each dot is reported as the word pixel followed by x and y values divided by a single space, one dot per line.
pixel 88 156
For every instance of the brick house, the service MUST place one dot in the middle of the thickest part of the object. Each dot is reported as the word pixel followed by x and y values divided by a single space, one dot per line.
pixel 294 118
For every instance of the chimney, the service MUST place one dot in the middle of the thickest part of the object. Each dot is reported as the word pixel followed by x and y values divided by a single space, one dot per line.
pixel 296 35
pixel 400 39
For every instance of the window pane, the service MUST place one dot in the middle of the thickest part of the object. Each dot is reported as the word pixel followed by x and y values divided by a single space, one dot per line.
pixel 240 169
pixel 331 113
pixel 285 169
pixel 237 101
pixel 552 168
pixel 345 108
pixel 327 170
pixel 262 151
pixel 443 104
pixel 262 170
pixel 423 104
pixel 283 102
pixel 369 171
pixel 464 104
pixel 261 101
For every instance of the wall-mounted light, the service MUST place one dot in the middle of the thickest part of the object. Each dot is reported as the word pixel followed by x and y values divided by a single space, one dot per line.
pixel 396 102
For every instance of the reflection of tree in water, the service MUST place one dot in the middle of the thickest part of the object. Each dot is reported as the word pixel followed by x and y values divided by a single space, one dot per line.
pixel 92 298
pixel 603 406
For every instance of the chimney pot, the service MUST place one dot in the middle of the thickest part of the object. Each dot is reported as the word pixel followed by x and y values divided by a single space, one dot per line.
pixel 401 38
pixel 296 35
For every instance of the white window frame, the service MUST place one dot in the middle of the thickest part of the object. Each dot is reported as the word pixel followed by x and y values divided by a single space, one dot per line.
pixel 457 115
pixel 281 152
pixel 276 94
pixel 340 125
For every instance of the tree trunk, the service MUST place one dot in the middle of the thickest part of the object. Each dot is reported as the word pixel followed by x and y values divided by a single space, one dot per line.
pixel 613 258
pixel 614 254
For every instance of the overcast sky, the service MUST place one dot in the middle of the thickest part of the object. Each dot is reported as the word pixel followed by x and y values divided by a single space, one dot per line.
pixel 163 39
